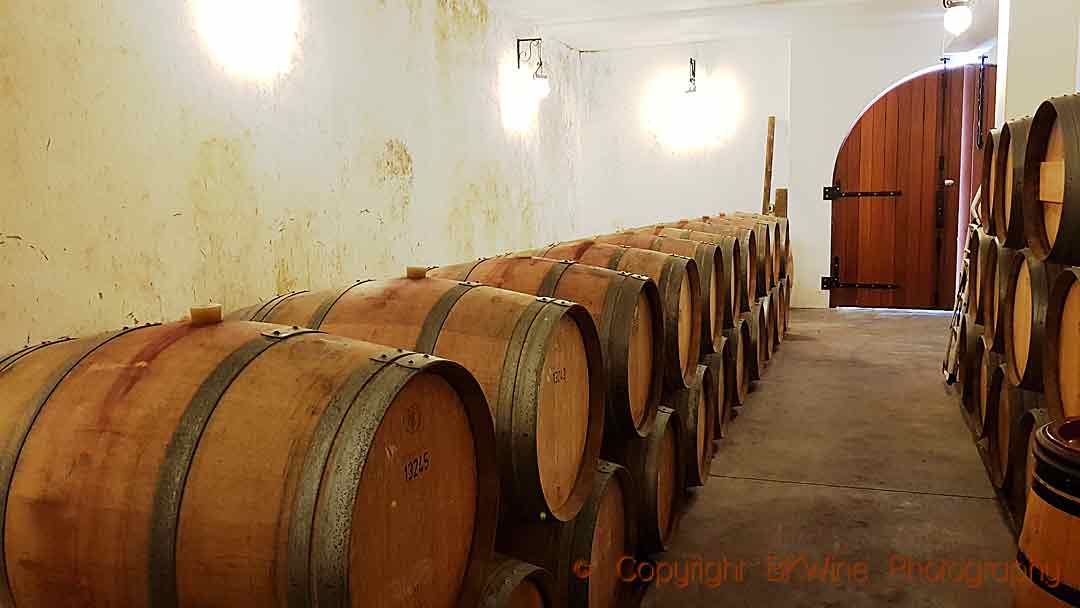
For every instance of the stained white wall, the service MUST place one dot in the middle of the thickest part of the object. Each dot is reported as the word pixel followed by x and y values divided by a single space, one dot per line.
pixel 630 177
pixel 137 176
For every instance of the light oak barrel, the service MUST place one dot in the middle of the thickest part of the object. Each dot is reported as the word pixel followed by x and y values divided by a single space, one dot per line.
pixel 584 554
pixel 718 364
pixel 678 282
pixel 1002 422
pixel 1008 206
pixel 757 359
pixel 989 179
pixel 745 273
pixel 626 310
pixel 241 464
pixel 763 235
pixel 781 238
pixel 1048 571
pixel 742 351
pixel 1051 192
pixel 697 410
pixel 1025 285
pixel 538 361
pixel 1061 355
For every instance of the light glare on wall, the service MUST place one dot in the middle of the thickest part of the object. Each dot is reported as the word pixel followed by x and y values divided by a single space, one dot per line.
pixel 520 95
pixel 252 39
pixel 683 120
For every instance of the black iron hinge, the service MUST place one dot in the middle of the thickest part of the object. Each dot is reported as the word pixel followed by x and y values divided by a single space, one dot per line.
pixel 834 282
pixel 833 193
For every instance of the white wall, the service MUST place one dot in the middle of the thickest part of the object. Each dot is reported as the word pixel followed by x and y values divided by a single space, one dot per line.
pixel 630 178
pixel 138 177
pixel 1039 57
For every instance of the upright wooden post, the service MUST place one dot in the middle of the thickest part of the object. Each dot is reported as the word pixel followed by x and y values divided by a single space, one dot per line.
pixel 768 165
pixel 780 207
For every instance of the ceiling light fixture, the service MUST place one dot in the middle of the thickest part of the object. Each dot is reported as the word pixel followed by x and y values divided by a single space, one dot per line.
pixel 525 49
pixel 693 76
pixel 958 16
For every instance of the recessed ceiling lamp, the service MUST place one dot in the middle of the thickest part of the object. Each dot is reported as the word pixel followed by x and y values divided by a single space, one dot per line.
pixel 958 16
pixel 525 49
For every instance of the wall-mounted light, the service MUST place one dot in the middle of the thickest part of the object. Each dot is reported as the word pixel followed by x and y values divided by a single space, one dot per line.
pixel 698 115
pixel 526 48
pixel 958 16
pixel 252 39
pixel 693 76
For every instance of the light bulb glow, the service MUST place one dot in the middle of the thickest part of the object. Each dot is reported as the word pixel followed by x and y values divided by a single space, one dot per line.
pixel 520 94
pixel 541 87
pixel 681 121
pixel 252 39
pixel 958 19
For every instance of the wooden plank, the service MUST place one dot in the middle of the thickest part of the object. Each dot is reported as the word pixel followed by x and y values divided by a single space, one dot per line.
pixel 769 145
pixel 780 206
pixel 887 206
pixel 927 256
pixel 1052 182
pixel 901 236
pixel 866 209
pixel 950 236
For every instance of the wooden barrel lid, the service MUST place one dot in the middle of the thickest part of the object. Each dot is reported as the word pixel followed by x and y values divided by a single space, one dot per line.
pixel 687 321
pixel 1022 318
pixel 563 414
pixel 642 340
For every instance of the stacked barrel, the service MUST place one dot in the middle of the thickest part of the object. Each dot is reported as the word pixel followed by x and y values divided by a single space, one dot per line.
pixel 502 432
pixel 1019 331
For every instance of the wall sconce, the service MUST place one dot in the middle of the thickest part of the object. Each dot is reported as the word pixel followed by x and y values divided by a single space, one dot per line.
pixel 958 16
pixel 525 49
pixel 693 76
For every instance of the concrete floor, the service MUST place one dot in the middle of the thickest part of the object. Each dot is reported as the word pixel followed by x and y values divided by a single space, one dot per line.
pixel 851 448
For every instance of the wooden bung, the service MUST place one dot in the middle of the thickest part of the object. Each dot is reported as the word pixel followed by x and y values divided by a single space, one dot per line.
pixel 626 309
pixel 1051 199
pixel 537 360
pixel 679 283
pixel 241 464
pixel 717 286
pixel 583 554
pixel 1048 573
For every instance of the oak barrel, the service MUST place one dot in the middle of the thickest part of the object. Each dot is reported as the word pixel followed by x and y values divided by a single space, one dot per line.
pixel 658 467
pixel 1026 291
pixel 1051 194
pixel 991 377
pixel 772 305
pixel 1021 455
pixel 764 246
pixel 759 336
pixel 697 409
pixel 717 281
pixel 1049 573
pixel 780 238
pixel 989 179
pixel 1002 421
pixel 1061 359
pixel 626 309
pixel 720 398
pixel 740 345
pixel 241 464
pixel 584 554
pixel 512 583
pixel 1008 207
pixel 676 278
pixel 745 272
pixel 975 244
pixel 969 359
pixel 990 261
pixel 538 361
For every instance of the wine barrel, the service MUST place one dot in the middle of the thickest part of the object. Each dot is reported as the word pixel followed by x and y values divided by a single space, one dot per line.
pixel 658 467
pixel 1009 209
pixel 745 272
pixel 990 293
pixel 759 336
pixel 991 377
pixel 1026 286
pixel 1051 200
pixel 697 409
pixel 738 365
pixel 764 226
pixel 720 398
pixel 788 283
pixel 772 317
pixel 1062 355
pixel 235 464
pixel 989 179
pixel 626 309
pixel 975 244
pixel 1049 573
pixel 781 311
pixel 538 361
pixel 969 359
pixel 717 280
pixel 512 583
pixel 583 554
pixel 679 284
pixel 1021 455
pixel 764 245
pixel 1002 421
pixel 780 238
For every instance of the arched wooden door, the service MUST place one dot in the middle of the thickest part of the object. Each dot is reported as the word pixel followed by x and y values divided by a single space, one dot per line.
pixel 910 159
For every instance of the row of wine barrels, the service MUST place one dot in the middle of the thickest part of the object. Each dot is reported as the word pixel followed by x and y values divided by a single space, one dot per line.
pixel 718 368
pixel 254 456
pixel 1062 346
pixel 1051 200
pixel 738 364
pixel 676 278
pixel 1048 571
pixel 1008 205
pixel 538 361
pixel 991 146
pixel 739 253
pixel 718 293
pixel 512 583
pixel 657 464
pixel 768 231
pixel 781 239
pixel 584 553
pixel 697 408
pixel 626 309
pixel 763 236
